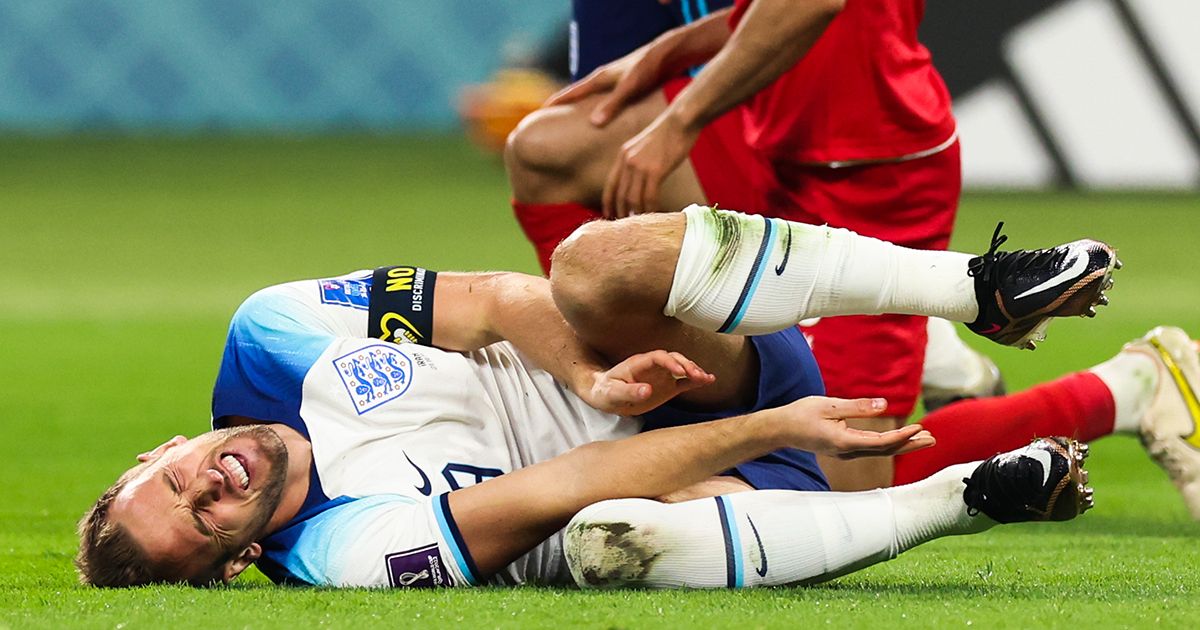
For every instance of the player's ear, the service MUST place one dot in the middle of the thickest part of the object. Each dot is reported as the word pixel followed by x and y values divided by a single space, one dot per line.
pixel 240 562
pixel 161 448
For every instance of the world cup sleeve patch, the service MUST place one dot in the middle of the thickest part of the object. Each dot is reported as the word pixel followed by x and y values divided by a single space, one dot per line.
pixel 374 375
pixel 401 305
pixel 417 568
pixel 355 294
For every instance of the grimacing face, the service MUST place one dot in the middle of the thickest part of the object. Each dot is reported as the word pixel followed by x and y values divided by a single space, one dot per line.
pixel 198 506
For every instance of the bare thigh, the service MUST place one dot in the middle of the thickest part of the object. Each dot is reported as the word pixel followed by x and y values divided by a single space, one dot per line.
pixel 556 155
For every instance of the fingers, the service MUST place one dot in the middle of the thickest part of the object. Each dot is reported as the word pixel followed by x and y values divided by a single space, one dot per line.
pixel 624 394
pixel 632 188
pixel 625 182
pixel 161 448
pixel 622 190
pixel 692 371
pixel 591 84
pixel 635 183
pixel 842 408
pixel 856 443
pixel 611 105
pixel 678 365
pixel 921 440
pixel 650 193
pixel 608 203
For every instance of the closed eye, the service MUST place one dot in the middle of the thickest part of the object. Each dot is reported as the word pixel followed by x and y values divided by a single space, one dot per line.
pixel 201 527
pixel 167 479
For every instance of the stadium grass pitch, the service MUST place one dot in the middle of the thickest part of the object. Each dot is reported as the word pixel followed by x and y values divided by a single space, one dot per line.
pixel 123 260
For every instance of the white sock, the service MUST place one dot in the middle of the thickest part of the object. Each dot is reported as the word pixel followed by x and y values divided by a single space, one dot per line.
pixel 749 275
pixel 949 362
pixel 934 507
pixel 766 537
pixel 1132 377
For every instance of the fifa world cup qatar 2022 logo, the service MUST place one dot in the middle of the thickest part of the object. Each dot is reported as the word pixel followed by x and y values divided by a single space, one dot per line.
pixel 415 568
pixel 374 375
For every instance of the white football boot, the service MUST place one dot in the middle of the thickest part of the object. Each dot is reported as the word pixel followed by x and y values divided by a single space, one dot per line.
pixel 954 371
pixel 984 381
pixel 1170 429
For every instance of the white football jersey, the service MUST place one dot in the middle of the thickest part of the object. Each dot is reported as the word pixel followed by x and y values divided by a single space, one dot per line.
pixel 394 427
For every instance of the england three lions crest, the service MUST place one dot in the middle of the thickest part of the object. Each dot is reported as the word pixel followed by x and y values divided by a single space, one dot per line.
pixel 373 375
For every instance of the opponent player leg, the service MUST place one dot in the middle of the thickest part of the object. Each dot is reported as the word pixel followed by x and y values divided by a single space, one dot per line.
pixel 557 163
pixel 1149 388
pixel 781 537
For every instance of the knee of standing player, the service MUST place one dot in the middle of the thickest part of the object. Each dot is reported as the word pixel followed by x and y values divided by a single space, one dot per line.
pixel 615 543
pixel 539 145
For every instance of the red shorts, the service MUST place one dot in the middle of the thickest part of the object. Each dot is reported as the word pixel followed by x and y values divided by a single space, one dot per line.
pixel 732 174
pixel 910 203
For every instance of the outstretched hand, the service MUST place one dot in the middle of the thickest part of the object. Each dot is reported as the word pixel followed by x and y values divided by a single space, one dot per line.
pixel 818 424
pixel 643 382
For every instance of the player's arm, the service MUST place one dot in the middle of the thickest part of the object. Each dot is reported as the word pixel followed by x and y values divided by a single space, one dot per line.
pixel 503 518
pixel 770 39
pixel 472 310
pixel 637 73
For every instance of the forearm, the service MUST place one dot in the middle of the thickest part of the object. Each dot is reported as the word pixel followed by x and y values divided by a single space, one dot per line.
pixel 650 464
pixel 660 462
pixel 771 38
pixel 517 308
pixel 694 43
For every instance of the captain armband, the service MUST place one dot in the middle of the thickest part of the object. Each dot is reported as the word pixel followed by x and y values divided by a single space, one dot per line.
pixel 401 306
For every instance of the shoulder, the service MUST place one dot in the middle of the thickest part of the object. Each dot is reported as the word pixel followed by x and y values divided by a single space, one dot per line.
pixel 272 307
pixel 372 541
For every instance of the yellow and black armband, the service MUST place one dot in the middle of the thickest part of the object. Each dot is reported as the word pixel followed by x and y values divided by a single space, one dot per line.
pixel 401 306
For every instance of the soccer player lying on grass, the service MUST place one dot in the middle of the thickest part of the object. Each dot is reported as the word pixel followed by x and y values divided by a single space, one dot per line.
pixel 347 460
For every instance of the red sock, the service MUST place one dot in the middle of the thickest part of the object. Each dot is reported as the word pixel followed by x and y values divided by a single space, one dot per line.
pixel 1077 405
pixel 547 224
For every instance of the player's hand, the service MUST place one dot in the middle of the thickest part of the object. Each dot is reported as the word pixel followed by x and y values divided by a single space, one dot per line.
pixel 645 160
pixel 161 448
pixel 643 382
pixel 819 425
pixel 624 80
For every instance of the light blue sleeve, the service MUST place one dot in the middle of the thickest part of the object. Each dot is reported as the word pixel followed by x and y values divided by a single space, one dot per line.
pixel 375 541
pixel 274 339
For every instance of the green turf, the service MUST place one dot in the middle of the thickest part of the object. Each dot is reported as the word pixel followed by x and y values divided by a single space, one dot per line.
pixel 122 260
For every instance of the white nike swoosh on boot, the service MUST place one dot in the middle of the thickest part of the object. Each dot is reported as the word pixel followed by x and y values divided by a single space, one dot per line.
pixel 1078 266
pixel 1044 459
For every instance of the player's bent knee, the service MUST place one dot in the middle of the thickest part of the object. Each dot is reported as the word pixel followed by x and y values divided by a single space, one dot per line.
pixel 614 543
pixel 540 144
pixel 585 271
pixel 576 253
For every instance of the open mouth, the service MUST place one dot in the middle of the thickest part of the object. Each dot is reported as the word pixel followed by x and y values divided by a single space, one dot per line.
pixel 237 469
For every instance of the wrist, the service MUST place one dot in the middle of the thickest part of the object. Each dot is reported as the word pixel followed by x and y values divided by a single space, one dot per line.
pixel 764 431
pixel 584 381
pixel 685 119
